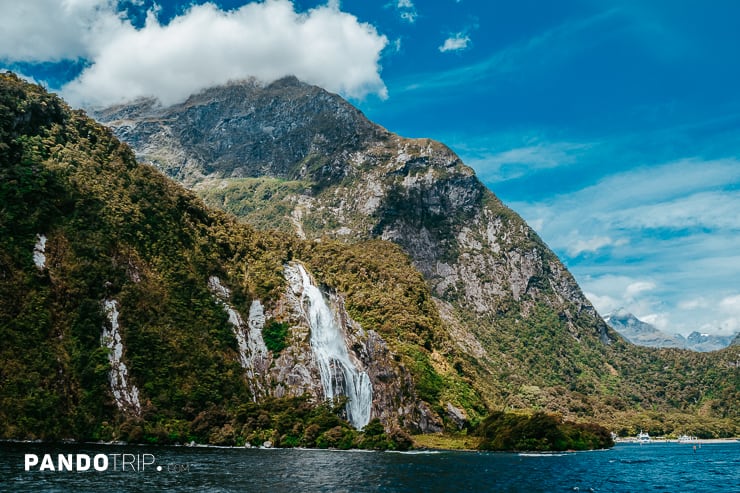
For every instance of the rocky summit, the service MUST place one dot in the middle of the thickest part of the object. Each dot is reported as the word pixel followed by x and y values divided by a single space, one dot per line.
pixel 359 286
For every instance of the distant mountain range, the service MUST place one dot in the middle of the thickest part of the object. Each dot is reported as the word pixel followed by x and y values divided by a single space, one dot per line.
pixel 644 334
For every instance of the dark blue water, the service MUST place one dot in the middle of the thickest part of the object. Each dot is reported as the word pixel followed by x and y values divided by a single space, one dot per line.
pixel 662 467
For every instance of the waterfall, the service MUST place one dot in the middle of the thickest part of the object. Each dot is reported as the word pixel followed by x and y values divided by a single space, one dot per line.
pixel 39 250
pixel 125 393
pixel 339 374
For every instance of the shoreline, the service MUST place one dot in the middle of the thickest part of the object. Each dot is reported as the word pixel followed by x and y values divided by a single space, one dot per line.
pixel 676 440
pixel 434 443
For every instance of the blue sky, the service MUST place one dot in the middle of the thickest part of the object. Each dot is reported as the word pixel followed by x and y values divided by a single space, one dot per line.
pixel 612 127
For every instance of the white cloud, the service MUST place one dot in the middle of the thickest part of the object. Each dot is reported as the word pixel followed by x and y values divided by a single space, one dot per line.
pixel 589 245
pixel 457 42
pixel 396 45
pixel 515 162
pixel 699 303
pixel 728 326
pixel 636 288
pixel 660 321
pixel 677 227
pixel 663 184
pixel 608 292
pixel 731 305
pixel 199 48
pixel 711 209
pixel 728 308
pixel 407 10
pixel 603 304
pixel 52 30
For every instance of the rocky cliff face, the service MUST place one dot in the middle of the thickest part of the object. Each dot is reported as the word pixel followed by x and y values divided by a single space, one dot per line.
pixel 348 179
pixel 699 341
pixel 295 371
pixel 242 130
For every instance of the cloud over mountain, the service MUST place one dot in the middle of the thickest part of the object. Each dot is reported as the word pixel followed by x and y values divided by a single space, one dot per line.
pixel 201 47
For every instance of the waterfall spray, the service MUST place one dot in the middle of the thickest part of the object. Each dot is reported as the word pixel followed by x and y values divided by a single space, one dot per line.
pixel 339 374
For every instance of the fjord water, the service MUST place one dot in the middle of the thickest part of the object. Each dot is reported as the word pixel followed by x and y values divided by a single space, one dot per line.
pixel 665 467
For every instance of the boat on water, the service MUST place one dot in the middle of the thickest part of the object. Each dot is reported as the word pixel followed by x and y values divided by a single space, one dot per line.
pixel 643 437
pixel 687 439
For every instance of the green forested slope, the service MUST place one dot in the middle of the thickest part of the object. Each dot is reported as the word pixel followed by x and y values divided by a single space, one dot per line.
pixel 118 230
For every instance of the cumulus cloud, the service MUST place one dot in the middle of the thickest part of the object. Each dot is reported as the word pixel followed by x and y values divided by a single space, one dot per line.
pixel 199 48
pixel 636 288
pixel 53 30
pixel 604 304
pixel 661 321
pixel 609 293
pixel 457 42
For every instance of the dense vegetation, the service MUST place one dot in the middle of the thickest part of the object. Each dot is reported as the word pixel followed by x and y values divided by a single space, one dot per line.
pixel 283 423
pixel 404 313
pixel 113 227
pixel 121 231
pixel 541 432
pixel 264 203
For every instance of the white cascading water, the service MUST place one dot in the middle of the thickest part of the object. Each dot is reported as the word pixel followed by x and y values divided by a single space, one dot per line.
pixel 39 257
pixel 339 374
pixel 125 393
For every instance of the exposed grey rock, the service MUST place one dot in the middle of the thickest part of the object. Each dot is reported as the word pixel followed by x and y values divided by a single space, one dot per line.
pixel 456 415
pixel 242 129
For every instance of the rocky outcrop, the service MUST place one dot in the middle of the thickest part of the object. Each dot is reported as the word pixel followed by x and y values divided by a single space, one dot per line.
pixel 253 354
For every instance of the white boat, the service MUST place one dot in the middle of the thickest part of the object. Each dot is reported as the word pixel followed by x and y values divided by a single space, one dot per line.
pixel 686 439
pixel 643 437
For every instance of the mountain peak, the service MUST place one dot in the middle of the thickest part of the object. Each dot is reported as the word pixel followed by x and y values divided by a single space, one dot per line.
pixel 642 333
pixel 245 129
pixel 621 314
pixel 645 334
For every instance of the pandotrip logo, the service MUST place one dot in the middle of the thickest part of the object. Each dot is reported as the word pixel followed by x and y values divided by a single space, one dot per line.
pixel 133 463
